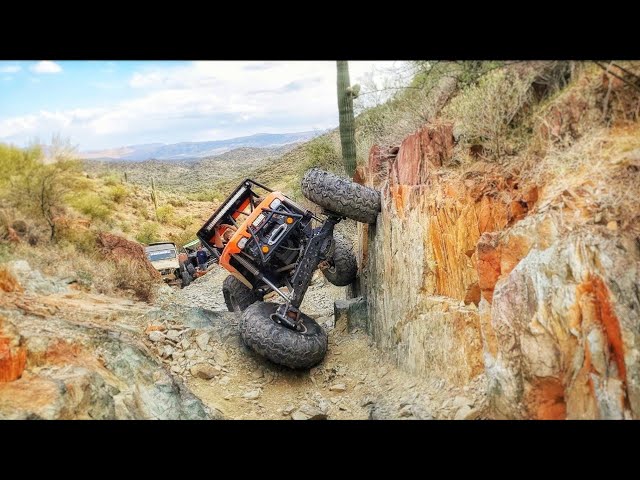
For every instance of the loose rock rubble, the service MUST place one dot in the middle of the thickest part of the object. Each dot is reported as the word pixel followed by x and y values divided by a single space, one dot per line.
pixel 355 381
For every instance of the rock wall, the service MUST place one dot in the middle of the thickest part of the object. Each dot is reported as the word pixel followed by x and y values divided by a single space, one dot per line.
pixel 469 274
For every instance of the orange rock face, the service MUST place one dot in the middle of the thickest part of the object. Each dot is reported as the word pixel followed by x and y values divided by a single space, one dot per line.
pixel 424 250
pixel 8 282
pixel 13 355
pixel 420 153
pixel 466 275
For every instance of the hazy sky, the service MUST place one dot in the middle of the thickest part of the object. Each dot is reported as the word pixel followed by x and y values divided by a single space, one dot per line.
pixel 100 104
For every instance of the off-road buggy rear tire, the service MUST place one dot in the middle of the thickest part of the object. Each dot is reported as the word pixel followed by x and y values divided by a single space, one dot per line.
pixel 344 266
pixel 341 195
pixel 186 278
pixel 191 269
pixel 280 344
pixel 237 296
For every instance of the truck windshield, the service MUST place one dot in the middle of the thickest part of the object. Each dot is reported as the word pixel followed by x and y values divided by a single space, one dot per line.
pixel 161 255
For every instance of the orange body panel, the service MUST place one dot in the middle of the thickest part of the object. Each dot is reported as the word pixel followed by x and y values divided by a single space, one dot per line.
pixel 232 246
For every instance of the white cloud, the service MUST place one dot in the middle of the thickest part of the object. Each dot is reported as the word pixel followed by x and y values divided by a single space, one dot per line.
pixel 202 101
pixel 46 66
pixel 10 69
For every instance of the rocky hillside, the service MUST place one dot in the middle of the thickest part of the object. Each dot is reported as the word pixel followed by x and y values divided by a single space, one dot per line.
pixel 522 271
pixel 67 354
pixel 191 176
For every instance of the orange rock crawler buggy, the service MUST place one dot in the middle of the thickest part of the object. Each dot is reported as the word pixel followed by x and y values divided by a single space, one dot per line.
pixel 269 243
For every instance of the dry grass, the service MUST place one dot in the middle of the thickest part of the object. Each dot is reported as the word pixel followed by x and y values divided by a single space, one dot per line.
pixel 598 175
pixel 129 276
pixel 92 272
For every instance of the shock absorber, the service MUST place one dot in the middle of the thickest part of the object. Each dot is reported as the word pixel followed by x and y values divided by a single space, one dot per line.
pixel 256 273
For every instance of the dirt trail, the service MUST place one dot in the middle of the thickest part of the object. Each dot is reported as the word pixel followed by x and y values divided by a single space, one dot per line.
pixel 355 380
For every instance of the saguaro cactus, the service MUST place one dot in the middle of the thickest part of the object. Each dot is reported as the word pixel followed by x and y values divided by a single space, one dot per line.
pixel 154 196
pixel 347 124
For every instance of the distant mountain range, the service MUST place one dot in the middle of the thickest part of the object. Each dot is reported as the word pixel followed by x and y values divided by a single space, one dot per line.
pixel 196 150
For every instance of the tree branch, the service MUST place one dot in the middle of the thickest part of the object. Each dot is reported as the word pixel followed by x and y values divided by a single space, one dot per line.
pixel 631 84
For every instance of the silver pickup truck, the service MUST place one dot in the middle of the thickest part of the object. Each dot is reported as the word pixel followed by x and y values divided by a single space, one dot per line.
pixel 164 257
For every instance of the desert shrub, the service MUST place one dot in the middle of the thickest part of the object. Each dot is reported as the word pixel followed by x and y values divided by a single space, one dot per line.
pixel 184 222
pixel 166 214
pixel 111 178
pixel 177 202
pixel 83 239
pixel 125 227
pixel 14 162
pixel 138 204
pixel 149 233
pixel 145 213
pixel 35 188
pixel 209 194
pixel 118 193
pixel 323 152
pixel 483 113
pixel 6 220
pixel 85 278
pixel 130 276
pixel 5 253
pixel 183 237
pixel 92 205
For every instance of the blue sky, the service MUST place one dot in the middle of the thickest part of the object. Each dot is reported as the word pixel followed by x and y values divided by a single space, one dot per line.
pixel 105 104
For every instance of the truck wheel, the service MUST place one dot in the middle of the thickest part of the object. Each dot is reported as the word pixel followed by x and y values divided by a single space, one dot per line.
pixel 280 344
pixel 237 296
pixel 341 195
pixel 191 269
pixel 186 278
pixel 343 264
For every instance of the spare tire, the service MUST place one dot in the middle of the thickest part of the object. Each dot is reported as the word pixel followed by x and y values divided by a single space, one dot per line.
pixel 341 195
pixel 280 344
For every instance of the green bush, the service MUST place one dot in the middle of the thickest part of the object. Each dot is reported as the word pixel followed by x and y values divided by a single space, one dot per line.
pixel 484 112
pixel 183 237
pixel 111 178
pixel 166 214
pixel 118 193
pixel 91 205
pixel 83 240
pixel 185 222
pixel 322 152
pixel 207 195
pixel 14 162
pixel 149 233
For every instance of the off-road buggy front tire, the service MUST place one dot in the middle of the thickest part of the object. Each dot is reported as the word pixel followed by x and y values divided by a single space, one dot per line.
pixel 343 264
pixel 280 344
pixel 237 296
pixel 341 195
